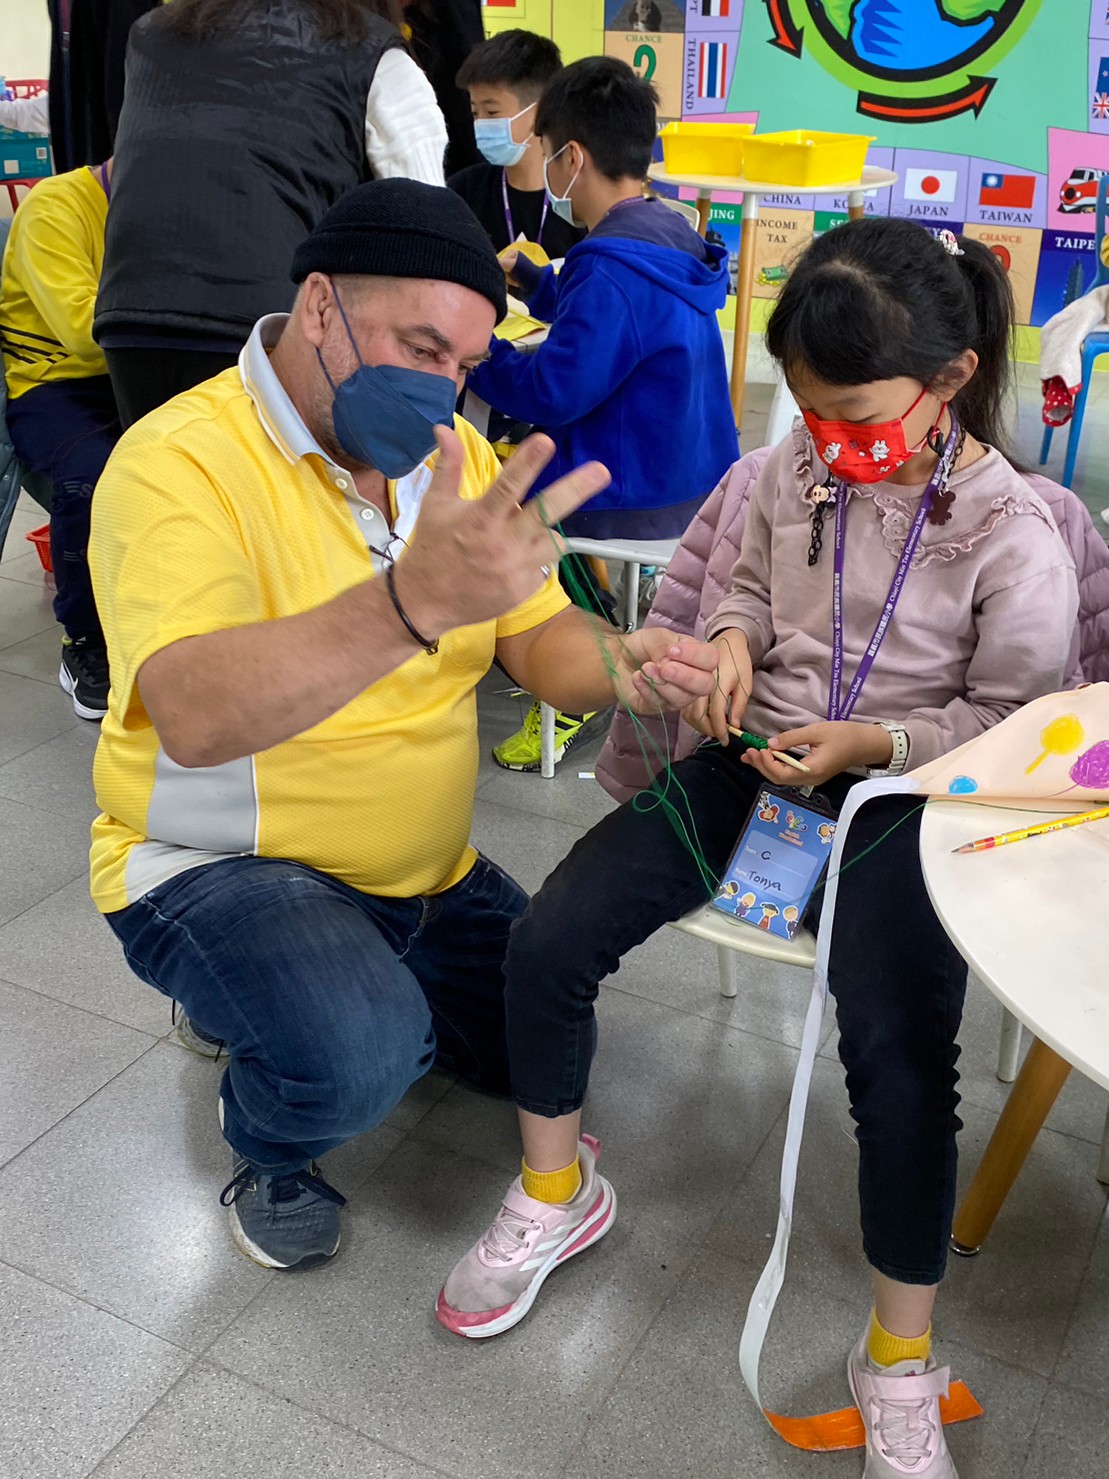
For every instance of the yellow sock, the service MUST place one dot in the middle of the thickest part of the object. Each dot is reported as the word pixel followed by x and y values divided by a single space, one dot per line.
pixel 552 1186
pixel 885 1349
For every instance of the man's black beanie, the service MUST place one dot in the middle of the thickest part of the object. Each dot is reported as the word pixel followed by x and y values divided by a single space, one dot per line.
pixel 402 228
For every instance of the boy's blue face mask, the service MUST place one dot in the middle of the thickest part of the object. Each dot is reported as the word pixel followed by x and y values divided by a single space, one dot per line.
pixel 560 204
pixel 493 137
pixel 385 415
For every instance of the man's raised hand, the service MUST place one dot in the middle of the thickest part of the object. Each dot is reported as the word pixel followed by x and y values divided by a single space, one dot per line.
pixel 471 560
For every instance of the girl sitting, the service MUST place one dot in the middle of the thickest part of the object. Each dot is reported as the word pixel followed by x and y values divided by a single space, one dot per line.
pixel 900 589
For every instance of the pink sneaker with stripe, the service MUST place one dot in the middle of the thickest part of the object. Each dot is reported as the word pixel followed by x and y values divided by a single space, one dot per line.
pixel 495 1284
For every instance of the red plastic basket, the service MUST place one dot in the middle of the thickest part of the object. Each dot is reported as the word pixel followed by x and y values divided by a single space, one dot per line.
pixel 40 538
pixel 28 87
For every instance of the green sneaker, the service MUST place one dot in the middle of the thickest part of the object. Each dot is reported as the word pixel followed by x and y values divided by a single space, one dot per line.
pixel 523 750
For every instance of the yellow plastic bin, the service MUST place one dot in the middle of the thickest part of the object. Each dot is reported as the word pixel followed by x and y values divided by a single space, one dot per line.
pixel 705 148
pixel 805 158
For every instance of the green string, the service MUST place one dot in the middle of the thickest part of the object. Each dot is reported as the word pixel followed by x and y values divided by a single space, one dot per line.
pixel 659 765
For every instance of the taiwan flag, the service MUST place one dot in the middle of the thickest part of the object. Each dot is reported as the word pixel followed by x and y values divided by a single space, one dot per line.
pixel 712 69
pixel 1016 191
pixel 715 7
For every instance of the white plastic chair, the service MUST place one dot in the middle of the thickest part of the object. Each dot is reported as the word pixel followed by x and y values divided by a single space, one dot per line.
pixel 731 935
pixel 684 208
pixel 631 553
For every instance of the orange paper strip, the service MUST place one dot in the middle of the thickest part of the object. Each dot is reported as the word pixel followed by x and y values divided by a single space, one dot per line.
pixel 828 1432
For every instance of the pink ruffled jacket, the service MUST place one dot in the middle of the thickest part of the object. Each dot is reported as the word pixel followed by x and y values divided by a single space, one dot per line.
pixel 699 581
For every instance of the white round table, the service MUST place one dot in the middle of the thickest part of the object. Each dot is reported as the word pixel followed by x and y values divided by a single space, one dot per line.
pixel 872 178
pixel 1030 920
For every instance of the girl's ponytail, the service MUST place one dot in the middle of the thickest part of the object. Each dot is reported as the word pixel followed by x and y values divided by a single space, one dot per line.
pixel 880 298
pixel 981 402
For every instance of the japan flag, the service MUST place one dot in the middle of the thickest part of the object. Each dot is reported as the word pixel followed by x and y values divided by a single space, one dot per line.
pixel 931 184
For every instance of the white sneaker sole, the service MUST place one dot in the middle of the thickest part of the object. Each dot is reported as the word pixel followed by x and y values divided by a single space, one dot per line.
pixel 590 1230
pixel 258 1255
pixel 250 1248
pixel 70 686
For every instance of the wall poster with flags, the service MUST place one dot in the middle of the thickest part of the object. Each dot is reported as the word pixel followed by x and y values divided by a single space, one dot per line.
pixel 994 113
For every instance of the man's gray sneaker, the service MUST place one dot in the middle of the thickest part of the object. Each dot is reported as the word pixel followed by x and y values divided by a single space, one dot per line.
pixel 190 1036
pixel 283 1221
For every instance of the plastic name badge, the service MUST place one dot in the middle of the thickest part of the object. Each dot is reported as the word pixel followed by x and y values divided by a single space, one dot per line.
pixel 779 860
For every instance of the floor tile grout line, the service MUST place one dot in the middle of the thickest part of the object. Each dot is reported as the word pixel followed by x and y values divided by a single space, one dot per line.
pixel 1049 1387
pixel 320 1416
pixel 635 1342
pixel 142 1417
pixel 87 1100
pixel 57 1001
pixel 61 1001
pixel 92 1304
pixel 63 814
pixel 51 683
pixel 705 1017
pixel 38 810
pixel 30 750
pixel 1103 1222
pixel 46 897
pixel 26 637
pixel 699 1248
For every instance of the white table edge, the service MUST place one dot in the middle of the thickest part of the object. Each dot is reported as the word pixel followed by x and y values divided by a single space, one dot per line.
pixel 984 972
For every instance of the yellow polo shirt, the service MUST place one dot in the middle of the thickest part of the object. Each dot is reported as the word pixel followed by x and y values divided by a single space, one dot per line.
pixel 49 281
pixel 220 510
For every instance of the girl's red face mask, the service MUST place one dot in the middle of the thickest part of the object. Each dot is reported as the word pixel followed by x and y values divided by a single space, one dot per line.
pixel 864 453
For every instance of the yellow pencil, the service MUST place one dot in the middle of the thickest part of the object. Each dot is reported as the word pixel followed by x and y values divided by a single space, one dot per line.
pixel 1059 825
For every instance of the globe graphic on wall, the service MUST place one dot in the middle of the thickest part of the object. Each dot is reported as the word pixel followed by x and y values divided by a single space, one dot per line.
pixel 911 40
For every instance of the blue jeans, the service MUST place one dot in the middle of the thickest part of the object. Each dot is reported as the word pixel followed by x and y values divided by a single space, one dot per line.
pixel 331 1002
pixel 897 979
pixel 65 430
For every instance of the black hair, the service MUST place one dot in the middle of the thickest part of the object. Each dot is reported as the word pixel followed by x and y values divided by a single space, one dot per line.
pixel 343 21
pixel 606 108
pixel 518 60
pixel 881 297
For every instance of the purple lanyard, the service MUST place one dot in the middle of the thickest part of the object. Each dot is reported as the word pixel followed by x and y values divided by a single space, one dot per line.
pixel 106 184
pixel 843 708
pixel 508 212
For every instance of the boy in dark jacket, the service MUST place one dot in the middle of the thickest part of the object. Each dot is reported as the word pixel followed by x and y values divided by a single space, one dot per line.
pixel 633 372
pixel 505 78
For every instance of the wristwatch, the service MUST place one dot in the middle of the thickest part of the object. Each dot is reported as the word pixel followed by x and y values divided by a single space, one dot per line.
pixel 900 759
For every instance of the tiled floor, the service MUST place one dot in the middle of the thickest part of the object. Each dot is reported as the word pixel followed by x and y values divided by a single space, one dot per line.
pixel 135 1344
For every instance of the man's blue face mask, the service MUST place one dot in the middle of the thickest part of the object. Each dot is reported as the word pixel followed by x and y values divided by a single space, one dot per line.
pixel 385 415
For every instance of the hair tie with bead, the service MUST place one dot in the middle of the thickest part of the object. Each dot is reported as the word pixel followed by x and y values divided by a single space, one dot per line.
pixel 949 242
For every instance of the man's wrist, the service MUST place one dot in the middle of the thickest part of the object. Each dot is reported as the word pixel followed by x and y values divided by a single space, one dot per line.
pixel 419 622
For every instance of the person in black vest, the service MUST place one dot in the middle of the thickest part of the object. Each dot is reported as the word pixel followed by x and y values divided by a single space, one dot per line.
pixel 88 42
pixel 243 122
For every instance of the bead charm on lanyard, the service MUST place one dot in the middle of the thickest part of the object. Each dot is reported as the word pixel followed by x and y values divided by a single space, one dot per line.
pixel 840 707
pixel 508 212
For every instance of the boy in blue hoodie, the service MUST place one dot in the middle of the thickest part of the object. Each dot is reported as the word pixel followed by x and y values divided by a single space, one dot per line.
pixel 632 373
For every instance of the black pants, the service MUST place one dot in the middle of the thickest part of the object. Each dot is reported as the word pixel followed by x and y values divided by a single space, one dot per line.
pixel 897 979
pixel 144 379
pixel 65 431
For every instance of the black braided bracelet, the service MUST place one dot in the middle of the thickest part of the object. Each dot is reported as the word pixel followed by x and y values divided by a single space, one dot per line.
pixel 429 647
